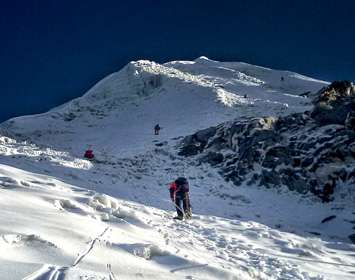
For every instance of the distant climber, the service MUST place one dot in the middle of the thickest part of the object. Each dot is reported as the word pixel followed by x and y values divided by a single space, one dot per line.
pixel 282 79
pixel 179 192
pixel 157 129
pixel 89 154
pixel 245 96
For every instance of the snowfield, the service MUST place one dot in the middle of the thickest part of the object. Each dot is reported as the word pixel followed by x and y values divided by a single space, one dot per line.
pixel 63 217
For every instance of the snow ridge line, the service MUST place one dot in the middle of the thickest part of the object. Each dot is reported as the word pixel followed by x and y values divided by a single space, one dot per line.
pixel 89 248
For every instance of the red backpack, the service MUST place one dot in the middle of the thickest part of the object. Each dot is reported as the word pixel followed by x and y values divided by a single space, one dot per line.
pixel 89 154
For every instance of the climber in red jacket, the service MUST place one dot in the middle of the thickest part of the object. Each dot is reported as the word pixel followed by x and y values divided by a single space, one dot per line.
pixel 179 192
pixel 89 154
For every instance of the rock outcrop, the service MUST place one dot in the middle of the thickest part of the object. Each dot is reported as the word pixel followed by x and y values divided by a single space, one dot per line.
pixel 307 152
pixel 333 103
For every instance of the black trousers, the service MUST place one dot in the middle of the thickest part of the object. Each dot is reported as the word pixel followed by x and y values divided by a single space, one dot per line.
pixel 185 203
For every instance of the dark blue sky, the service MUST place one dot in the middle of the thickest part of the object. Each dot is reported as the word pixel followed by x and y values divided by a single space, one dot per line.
pixel 52 51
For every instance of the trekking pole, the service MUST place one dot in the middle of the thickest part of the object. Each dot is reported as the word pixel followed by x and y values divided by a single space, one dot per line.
pixel 178 207
pixel 182 211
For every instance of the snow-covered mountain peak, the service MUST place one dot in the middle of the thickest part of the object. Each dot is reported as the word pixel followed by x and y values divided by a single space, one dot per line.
pixel 186 95
pixel 141 78
pixel 204 59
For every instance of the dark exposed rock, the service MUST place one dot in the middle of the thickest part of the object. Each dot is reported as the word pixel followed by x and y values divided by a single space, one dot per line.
pixel 292 121
pixel 190 150
pixel 333 103
pixel 205 134
pixel 307 152
pixel 270 178
pixel 342 174
pixel 253 180
pixel 350 121
pixel 294 181
pixel 296 162
pixel 234 177
pixel 160 144
pixel 314 233
pixel 352 238
pixel 195 143
pixel 307 162
pixel 213 158
pixel 277 155
pixel 327 219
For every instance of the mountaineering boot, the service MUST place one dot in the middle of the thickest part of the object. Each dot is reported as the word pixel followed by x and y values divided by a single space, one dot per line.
pixel 179 218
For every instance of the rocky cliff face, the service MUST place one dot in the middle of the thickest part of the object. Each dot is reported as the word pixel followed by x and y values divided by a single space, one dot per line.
pixel 307 152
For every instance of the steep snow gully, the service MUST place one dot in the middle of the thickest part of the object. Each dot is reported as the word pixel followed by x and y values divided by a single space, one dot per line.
pixel 64 217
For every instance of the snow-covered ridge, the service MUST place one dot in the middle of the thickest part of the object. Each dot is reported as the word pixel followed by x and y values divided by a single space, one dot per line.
pixel 140 78
pixel 174 94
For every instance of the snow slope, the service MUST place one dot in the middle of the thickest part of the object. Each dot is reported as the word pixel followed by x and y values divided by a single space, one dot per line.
pixel 63 217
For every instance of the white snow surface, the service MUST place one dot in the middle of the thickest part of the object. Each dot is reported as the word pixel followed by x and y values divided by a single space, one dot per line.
pixel 63 217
